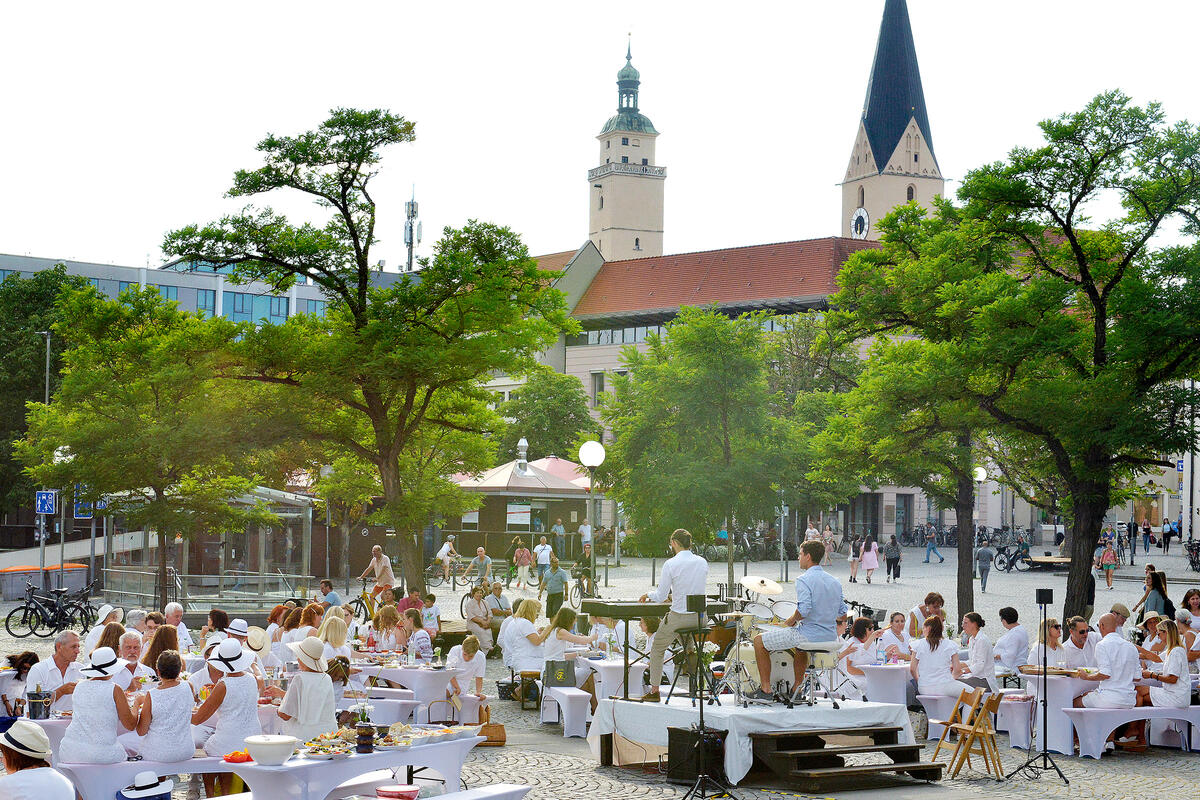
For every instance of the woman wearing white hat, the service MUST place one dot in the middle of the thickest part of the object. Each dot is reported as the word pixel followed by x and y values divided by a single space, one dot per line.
pixel 100 705
pixel 235 696
pixel 106 615
pixel 307 708
pixel 259 643
pixel 26 751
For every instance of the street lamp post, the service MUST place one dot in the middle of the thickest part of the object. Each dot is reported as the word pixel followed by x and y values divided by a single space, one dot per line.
pixel 591 455
pixel 980 475
pixel 42 517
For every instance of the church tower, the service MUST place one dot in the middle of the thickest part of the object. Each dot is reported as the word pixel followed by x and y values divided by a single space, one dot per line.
pixel 625 193
pixel 893 161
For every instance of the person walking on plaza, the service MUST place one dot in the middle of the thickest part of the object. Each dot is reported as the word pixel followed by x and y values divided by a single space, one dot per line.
pixel 1146 535
pixel 984 557
pixel 381 565
pixel 554 586
pixel 854 558
pixel 542 553
pixel 683 575
pixel 870 556
pixel 892 556
pixel 522 559
pixel 1108 562
pixel 585 533
pixel 560 539
pixel 931 544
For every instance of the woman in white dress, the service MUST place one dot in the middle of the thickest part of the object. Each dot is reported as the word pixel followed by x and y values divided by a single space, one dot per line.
pixel 285 634
pixel 468 658
pixel 896 642
pixel 386 629
pixel 1049 640
pixel 980 669
pixel 333 637
pixel 165 714
pixel 1176 689
pixel 1191 604
pixel 100 708
pixel 858 650
pixel 275 620
pixel 28 774
pixel 528 655
pixel 419 645
pixel 310 619
pixel 308 705
pixel 234 699
pixel 934 662
pixel 558 635
pixel 257 642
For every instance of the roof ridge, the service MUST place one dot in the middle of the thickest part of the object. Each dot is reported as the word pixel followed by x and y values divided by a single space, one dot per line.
pixel 730 249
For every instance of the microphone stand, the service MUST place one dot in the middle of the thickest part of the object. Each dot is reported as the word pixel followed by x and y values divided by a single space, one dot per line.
pixel 1041 762
pixel 706 785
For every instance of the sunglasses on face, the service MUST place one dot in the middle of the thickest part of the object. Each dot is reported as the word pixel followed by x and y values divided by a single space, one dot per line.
pixel 1056 627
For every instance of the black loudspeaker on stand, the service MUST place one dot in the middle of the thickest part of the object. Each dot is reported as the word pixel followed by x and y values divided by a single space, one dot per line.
pixel 1043 761
pixel 705 785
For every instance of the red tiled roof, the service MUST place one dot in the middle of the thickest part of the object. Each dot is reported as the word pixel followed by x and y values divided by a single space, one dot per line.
pixel 554 262
pixel 751 275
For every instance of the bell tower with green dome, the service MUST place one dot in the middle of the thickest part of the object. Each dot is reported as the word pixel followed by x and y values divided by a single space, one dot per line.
pixel 625 193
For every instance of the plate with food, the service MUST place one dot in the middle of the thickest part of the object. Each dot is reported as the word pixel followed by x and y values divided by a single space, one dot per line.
pixel 390 742
pixel 327 751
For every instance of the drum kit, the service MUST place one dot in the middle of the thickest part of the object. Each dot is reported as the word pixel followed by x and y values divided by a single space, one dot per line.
pixel 760 613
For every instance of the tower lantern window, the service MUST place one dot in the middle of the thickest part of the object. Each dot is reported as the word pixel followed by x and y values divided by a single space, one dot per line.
pixel 625 140
pixel 624 159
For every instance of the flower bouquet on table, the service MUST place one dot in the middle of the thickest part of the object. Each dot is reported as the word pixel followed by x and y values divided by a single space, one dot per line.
pixel 362 712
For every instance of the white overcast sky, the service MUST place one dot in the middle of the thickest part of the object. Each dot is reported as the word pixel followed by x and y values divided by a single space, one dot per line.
pixel 124 120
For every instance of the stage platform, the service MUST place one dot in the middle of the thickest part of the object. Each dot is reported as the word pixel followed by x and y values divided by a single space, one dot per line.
pixel 645 725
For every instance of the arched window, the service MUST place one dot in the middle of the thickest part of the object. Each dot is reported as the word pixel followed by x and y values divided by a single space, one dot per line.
pixel 862 197
pixel 912 192
pixel 637 243
pixel 602 201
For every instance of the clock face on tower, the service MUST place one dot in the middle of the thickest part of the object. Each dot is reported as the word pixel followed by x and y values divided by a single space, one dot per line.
pixel 860 223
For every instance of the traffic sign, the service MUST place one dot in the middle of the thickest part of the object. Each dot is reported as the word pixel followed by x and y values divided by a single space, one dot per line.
pixel 1179 465
pixel 83 510
pixel 45 502
pixel 101 505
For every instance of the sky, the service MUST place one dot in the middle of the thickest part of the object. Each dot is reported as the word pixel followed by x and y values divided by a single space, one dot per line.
pixel 122 121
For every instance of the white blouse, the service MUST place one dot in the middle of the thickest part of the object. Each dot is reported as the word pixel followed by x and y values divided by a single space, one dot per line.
pixel 980 659
pixel 525 654
pixel 933 666
pixel 903 642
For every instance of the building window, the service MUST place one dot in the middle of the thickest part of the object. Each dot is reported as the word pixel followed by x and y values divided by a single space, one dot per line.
pixel 912 192
pixel 206 301
pixel 316 307
pixel 279 307
pixel 123 285
pixel 607 143
pixel 637 243
pixel 645 161
pixel 4 273
pixel 602 201
pixel 624 159
pixel 625 140
pixel 242 303
pixel 862 197
pixel 169 292
pixel 597 388
pixel 916 157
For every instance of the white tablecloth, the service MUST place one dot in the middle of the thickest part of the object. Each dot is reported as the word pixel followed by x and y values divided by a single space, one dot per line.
pixel 610 674
pixel 648 722
pixel 427 685
pixel 1062 692
pixel 887 683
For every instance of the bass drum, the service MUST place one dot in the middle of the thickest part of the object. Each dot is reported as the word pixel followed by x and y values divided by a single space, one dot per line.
pixel 781 667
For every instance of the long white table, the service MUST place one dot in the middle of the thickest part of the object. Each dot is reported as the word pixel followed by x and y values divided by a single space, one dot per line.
pixel 298 779
pixel 648 722
pixel 427 685
pixel 610 675
pixel 1061 692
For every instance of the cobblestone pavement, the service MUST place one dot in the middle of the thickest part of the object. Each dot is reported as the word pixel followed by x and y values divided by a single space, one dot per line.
pixel 562 769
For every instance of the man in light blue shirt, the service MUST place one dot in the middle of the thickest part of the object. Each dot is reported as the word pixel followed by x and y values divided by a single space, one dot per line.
pixel 819 608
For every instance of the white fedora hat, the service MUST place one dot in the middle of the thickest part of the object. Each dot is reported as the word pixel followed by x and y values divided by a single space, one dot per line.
pixel 256 639
pixel 147 784
pixel 237 627
pixel 103 662
pixel 28 738
pixel 230 657
pixel 311 653
pixel 105 610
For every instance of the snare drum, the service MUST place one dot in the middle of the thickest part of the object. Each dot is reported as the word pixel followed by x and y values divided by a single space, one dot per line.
pixel 783 609
pixel 760 611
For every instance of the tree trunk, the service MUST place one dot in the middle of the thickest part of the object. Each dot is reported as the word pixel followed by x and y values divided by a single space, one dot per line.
pixel 964 510
pixel 1089 503
pixel 411 568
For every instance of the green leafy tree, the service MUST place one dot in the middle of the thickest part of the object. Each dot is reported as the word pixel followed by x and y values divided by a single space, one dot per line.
pixel 140 420
pixel 394 373
pixel 551 412
pixel 695 444
pixel 1076 331
pixel 27 306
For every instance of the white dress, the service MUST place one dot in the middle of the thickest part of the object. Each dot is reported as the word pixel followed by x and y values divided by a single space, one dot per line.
pixel 91 738
pixel 934 668
pixel 1179 693
pixel 237 716
pixel 526 656
pixel 44 783
pixel 555 649
pixel 310 704
pixel 170 734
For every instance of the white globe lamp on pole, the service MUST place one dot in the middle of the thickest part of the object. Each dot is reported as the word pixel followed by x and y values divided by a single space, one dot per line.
pixel 591 455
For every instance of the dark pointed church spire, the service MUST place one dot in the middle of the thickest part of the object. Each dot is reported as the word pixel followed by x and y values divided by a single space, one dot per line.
pixel 894 93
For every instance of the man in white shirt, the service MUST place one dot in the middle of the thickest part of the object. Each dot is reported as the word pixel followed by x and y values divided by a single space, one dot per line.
pixel 683 574
pixel 1011 650
pixel 542 553
pixel 1122 614
pixel 1117 668
pixel 131 651
pixel 173 615
pixel 585 534
pixel 58 674
pixel 1080 646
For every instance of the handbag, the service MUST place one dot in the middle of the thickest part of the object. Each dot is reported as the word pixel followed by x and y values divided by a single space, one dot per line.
pixel 559 673
pixel 492 731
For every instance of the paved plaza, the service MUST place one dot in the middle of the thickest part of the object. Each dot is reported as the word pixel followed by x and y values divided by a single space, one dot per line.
pixel 564 769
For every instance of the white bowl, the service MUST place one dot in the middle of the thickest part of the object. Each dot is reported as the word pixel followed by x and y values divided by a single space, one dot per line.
pixel 271 751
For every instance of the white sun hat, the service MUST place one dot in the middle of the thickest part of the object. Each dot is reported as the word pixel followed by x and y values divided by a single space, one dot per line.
pixel 28 738
pixel 230 657
pixel 237 627
pixel 147 784
pixel 310 653
pixel 102 663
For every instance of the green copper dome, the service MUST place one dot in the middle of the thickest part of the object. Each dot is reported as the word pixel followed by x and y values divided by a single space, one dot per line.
pixel 628 72
pixel 628 118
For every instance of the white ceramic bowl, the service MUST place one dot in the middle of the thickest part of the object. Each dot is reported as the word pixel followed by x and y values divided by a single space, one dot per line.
pixel 271 751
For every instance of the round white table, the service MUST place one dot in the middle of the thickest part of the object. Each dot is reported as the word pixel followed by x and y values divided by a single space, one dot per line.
pixel 887 683
pixel 610 675
pixel 1061 691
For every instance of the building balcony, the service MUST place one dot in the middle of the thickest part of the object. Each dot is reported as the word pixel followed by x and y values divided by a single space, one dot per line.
pixel 627 169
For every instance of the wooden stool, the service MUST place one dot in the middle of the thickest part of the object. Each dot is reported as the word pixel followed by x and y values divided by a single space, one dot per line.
pixel 529 678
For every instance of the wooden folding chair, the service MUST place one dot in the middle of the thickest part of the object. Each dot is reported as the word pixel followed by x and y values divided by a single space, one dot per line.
pixel 964 713
pixel 978 737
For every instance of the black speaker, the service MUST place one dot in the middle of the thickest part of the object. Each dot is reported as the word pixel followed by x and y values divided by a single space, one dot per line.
pixel 1044 597
pixel 683 754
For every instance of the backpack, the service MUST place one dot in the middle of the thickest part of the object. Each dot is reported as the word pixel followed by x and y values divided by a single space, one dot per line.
pixel 1168 608
pixel 856 549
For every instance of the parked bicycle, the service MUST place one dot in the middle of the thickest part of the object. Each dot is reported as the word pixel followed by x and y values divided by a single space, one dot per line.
pixel 434 575
pixel 44 616
pixel 1010 557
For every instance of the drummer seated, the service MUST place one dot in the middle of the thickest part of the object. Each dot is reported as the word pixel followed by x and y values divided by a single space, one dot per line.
pixel 819 607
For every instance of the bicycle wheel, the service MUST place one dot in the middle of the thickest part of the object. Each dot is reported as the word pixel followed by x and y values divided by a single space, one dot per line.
pixel 1023 564
pixel 18 622
pixel 360 609
pixel 462 605
pixel 433 575
pixel 78 618
pixel 575 595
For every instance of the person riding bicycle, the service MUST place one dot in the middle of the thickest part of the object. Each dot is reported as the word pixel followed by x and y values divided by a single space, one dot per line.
pixel 482 564
pixel 381 565
pixel 585 571
pixel 444 554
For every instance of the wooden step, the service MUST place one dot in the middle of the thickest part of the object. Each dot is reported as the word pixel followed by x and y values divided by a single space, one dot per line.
pixel 872 731
pixel 847 749
pixel 929 770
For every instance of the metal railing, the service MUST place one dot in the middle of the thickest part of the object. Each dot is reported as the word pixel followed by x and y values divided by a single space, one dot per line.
pixel 627 169
pixel 130 586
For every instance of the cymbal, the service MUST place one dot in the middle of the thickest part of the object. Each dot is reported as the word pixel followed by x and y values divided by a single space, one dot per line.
pixel 761 585
pixel 735 615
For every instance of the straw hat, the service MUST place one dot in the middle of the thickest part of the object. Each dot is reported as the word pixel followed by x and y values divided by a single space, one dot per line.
pixel 230 657
pixel 310 653
pixel 256 639
pixel 147 784
pixel 102 663
pixel 1120 608
pixel 28 738
pixel 1151 617
pixel 237 627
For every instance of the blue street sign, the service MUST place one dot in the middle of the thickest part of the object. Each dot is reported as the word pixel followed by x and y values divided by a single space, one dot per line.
pixel 45 502
pixel 101 505
pixel 83 509
pixel 1179 465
